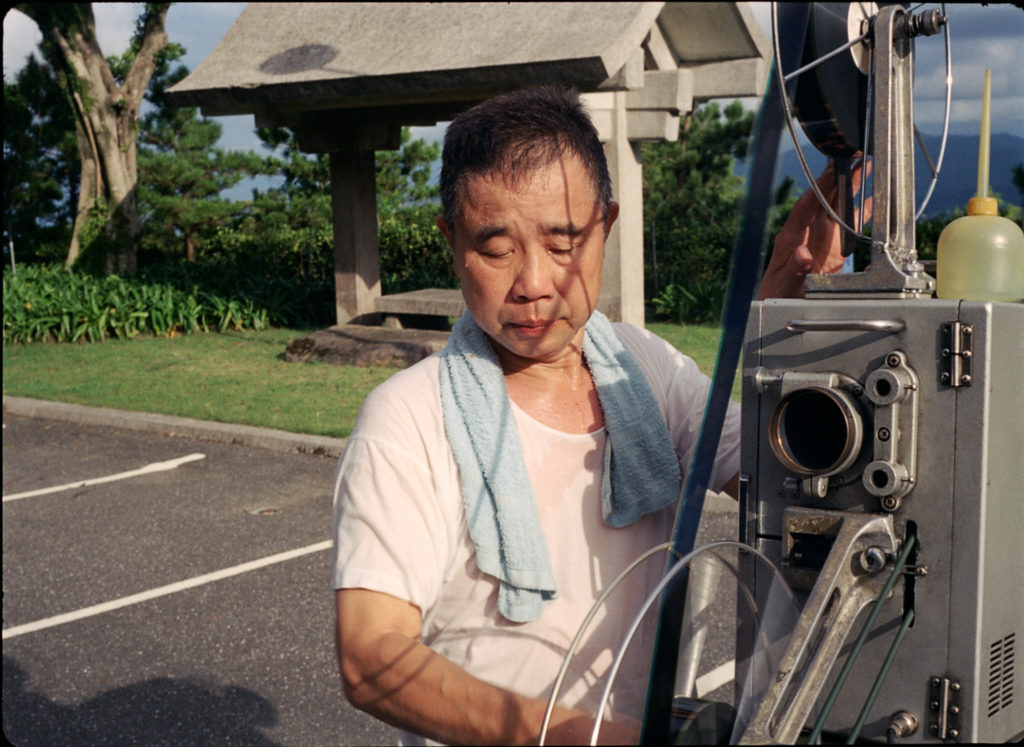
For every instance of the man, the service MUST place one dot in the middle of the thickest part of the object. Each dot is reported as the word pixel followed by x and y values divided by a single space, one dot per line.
pixel 438 632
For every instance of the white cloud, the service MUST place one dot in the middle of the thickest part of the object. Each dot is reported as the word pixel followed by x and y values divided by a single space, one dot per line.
pixel 115 24
pixel 21 38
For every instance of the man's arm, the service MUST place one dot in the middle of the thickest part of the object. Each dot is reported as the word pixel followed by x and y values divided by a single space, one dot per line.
pixel 389 673
pixel 810 242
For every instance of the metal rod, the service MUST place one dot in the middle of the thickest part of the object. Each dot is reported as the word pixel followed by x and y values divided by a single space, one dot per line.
pixel 945 120
pixel 828 56
pixel 908 619
pixel 864 145
pixel 924 152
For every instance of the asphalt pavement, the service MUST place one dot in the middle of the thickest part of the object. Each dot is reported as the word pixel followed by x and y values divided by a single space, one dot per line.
pixel 189 605
pixel 236 645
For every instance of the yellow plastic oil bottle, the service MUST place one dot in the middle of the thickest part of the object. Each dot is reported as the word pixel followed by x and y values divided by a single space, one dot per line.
pixel 981 255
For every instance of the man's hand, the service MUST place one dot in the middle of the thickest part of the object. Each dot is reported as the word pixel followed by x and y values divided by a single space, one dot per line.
pixel 810 242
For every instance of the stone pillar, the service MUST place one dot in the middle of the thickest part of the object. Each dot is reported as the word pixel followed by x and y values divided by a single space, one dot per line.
pixel 622 287
pixel 356 253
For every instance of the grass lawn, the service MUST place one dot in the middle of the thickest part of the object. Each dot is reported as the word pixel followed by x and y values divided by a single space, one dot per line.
pixel 231 377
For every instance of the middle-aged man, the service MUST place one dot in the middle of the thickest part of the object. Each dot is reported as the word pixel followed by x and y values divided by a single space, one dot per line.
pixel 488 494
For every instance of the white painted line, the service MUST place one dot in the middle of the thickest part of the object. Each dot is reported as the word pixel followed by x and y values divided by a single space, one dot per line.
pixel 717 677
pixel 149 468
pixel 145 596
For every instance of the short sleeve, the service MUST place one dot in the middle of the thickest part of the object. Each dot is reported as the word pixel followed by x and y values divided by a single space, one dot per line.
pixel 393 517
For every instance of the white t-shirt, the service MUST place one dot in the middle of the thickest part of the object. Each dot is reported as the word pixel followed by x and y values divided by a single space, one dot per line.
pixel 400 529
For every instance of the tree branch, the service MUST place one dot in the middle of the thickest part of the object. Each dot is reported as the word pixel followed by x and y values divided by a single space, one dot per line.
pixel 154 39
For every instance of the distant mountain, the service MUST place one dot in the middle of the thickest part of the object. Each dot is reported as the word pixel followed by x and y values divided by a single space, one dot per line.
pixel 958 179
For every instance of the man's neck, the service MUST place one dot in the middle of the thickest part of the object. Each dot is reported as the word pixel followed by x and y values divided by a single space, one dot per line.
pixel 559 393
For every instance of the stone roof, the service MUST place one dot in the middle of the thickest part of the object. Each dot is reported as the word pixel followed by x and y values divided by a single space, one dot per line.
pixel 318 56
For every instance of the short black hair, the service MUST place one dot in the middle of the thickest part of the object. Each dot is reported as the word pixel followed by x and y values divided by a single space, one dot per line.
pixel 515 133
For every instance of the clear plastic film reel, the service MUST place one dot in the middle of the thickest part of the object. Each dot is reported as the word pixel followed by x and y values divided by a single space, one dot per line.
pixel 731 641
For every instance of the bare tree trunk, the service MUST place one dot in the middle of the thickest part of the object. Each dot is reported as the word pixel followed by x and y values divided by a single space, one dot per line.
pixel 106 118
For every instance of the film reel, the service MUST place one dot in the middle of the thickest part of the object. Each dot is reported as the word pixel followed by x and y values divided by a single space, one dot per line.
pixel 851 95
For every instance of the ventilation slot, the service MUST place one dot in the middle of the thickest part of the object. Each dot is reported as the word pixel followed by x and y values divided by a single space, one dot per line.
pixel 1000 674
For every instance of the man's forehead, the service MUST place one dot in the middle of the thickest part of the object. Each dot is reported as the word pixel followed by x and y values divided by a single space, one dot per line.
pixel 566 171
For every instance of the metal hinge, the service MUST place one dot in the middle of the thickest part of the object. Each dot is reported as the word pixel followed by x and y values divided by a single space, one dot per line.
pixel 957 354
pixel 944 698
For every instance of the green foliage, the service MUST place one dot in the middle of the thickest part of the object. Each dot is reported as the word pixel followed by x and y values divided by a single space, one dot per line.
pixel 692 198
pixel 413 253
pixel 288 229
pixel 53 303
pixel 403 175
pixel 41 167
pixel 182 172
pixel 699 302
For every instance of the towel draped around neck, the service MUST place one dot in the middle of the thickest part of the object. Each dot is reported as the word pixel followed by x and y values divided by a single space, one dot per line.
pixel 641 472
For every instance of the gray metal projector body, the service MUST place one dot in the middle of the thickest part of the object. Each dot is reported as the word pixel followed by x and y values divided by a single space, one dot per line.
pixel 965 449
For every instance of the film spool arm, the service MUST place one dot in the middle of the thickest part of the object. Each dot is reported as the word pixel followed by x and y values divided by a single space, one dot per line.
pixel 848 582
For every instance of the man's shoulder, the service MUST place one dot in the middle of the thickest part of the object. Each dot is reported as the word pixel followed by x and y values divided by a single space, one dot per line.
pixel 406 397
pixel 643 343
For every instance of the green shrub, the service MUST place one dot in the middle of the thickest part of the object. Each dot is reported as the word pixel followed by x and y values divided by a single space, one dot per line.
pixel 413 253
pixel 53 303
pixel 698 302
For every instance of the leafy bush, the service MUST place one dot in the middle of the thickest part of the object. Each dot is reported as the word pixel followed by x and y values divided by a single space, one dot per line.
pixel 413 253
pixel 53 303
pixel 696 303
pixel 287 300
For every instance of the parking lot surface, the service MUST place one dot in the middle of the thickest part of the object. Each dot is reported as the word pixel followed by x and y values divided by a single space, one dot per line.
pixel 186 605
pixel 199 595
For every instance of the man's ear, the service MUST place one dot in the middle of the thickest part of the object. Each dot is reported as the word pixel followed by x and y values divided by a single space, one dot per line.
pixel 446 230
pixel 609 221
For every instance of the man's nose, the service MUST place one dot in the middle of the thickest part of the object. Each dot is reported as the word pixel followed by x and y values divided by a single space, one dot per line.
pixel 533 279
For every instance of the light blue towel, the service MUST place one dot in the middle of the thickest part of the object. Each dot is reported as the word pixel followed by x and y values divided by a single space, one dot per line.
pixel 641 473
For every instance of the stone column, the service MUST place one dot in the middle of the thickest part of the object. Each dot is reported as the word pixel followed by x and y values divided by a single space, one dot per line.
pixel 356 253
pixel 622 291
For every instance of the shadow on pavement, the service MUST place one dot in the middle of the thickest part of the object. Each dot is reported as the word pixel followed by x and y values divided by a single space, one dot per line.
pixel 161 711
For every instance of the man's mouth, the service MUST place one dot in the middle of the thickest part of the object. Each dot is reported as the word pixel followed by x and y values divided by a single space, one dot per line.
pixel 531 327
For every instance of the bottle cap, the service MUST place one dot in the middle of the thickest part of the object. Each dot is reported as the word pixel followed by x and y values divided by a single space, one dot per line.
pixel 983 206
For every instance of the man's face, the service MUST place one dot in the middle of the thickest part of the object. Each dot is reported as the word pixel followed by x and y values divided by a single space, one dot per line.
pixel 529 256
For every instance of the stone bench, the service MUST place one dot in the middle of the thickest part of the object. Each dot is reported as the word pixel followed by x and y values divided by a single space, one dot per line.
pixel 429 302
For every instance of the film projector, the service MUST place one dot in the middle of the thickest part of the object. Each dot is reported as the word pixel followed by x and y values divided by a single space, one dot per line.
pixel 883 442
pixel 876 592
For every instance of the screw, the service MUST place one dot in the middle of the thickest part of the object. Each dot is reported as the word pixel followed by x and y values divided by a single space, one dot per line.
pixel 965 379
pixel 945 377
pixel 872 559
pixel 890 503
pixel 954 710
pixel 954 733
pixel 893 360
pixel 883 434
pixel 955 686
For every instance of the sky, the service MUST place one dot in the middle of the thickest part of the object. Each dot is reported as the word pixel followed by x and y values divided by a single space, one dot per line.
pixel 982 37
